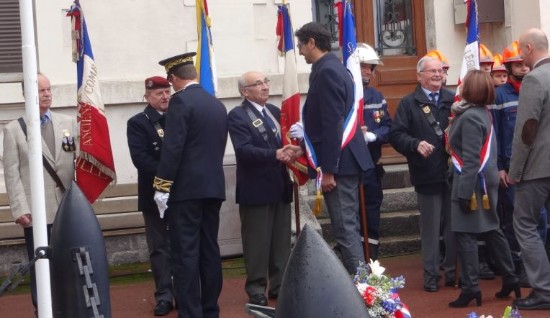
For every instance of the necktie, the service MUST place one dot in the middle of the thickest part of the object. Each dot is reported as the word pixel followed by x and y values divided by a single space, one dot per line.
pixel 433 97
pixel 43 120
pixel 271 125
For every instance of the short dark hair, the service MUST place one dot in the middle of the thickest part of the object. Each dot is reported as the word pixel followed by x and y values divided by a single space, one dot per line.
pixel 478 88
pixel 185 71
pixel 317 32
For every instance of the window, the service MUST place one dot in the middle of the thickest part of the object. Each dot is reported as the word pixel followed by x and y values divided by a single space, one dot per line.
pixel 325 13
pixel 10 38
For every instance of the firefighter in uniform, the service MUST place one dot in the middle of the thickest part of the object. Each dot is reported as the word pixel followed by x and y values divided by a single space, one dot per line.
pixel 377 124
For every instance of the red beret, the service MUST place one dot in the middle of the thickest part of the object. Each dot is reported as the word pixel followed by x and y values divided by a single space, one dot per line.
pixel 156 82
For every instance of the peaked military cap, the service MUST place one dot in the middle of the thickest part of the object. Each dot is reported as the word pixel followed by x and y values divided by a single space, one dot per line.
pixel 171 62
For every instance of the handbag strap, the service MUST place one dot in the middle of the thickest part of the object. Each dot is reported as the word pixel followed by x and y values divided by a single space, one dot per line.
pixel 47 165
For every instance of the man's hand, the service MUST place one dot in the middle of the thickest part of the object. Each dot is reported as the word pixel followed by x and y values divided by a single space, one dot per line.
pixel 24 220
pixel 161 198
pixel 328 183
pixel 297 131
pixel 425 149
pixel 505 181
pixel 289 153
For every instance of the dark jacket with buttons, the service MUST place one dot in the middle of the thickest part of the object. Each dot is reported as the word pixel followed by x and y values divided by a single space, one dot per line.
pixel 145 144
pixel 410 126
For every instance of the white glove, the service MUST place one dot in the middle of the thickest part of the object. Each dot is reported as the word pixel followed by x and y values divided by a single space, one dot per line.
pixel 161 198
pixel 297 131
pixel 369 137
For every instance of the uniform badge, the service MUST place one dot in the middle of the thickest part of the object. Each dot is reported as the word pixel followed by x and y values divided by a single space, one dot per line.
pixel 67 142
pixel 160 132
pixel 376 116
pixel 426 109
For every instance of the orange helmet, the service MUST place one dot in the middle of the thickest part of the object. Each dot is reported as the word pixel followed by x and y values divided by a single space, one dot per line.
pixel 511 53
pixel 498 65
pixel 436 54
pixel 485 56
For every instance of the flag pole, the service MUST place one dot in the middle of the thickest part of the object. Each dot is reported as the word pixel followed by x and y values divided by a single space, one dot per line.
pixel 38 201
pixel 363 214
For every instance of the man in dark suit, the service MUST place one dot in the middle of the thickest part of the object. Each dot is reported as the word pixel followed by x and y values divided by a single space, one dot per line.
pixel 529 166
pixel 330 100
pixel 417 133
pixel 190 181
pixel 264 189
pixel 145 132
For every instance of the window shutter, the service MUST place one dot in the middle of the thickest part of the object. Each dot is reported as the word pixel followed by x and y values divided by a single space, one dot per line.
pixel 11 60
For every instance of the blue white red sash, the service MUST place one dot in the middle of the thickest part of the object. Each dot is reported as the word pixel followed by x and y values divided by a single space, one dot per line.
pixel 484 155
pixel 350 126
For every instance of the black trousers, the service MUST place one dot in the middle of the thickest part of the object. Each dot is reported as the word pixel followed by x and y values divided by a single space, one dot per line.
pixel 193 227
pixel 466 244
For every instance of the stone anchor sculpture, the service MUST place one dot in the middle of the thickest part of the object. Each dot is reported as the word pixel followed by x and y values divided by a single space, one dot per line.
pixel 78 260
pixel 315 284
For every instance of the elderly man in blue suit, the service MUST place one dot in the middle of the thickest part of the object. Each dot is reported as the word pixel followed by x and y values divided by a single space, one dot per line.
pixel 264 189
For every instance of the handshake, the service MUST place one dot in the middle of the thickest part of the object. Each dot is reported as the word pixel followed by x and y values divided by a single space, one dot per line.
pixel 289 153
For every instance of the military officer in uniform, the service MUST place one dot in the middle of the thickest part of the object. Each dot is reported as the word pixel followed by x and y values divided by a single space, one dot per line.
pixel 145 132
pixel 190 183
pixel 376 131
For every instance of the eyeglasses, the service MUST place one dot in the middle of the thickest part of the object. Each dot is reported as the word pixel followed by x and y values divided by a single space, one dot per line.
pixel 433 72
pixel 258 83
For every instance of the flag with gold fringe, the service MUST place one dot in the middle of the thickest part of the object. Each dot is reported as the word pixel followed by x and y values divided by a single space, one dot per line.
pixel 95 167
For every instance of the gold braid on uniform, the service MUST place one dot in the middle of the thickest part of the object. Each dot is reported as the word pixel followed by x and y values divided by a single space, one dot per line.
pixel 162 185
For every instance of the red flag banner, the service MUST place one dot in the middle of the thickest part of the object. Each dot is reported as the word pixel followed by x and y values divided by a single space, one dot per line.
pixel 95 167
pixel 290 110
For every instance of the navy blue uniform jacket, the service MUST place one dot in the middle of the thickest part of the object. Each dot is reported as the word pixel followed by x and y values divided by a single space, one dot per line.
pixel 329 100
pixel 261 178
pixel 145 145
pixel 194 146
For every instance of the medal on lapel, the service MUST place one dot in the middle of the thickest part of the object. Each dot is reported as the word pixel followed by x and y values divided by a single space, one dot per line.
pixel 68 141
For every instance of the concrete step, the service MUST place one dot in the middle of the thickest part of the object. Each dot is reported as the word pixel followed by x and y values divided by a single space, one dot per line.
pixel 392 224
pixel 402 199
pixel 399 245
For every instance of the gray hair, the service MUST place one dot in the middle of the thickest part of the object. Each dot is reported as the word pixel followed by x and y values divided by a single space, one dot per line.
pixel 422 61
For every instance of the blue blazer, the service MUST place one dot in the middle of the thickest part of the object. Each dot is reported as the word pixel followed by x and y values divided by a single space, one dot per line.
pixel 261 178
pixel 194 146
pixel 145 144
pixel 329 100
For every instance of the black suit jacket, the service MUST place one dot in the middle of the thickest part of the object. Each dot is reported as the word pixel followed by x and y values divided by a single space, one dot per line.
pixel 194 146
pixel 329 100
pixel 145 144
pixel 261 178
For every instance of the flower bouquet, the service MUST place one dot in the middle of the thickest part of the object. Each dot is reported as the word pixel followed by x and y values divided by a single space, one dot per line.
pixel 380 291
pixel 509 312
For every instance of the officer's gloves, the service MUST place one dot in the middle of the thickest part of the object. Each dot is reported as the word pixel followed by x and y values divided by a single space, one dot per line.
pixel 369 137
pixel 297 131
pixel 161 198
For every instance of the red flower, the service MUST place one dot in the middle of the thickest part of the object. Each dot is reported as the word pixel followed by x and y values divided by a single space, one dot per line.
pixel 370 295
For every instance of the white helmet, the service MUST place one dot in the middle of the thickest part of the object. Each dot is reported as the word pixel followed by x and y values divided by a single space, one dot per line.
pixel 367 55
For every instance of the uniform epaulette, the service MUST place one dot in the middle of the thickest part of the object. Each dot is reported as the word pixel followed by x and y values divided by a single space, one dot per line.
pixel 162 185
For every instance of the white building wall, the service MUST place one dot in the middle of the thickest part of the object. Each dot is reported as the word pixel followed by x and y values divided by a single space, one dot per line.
pixel 129 37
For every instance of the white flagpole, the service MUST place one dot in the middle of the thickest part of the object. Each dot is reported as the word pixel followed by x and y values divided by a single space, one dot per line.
pixel 42 266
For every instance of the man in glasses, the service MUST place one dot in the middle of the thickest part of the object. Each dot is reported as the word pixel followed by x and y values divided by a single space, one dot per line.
pixel 417 133
pixel 264 189
pixel 340 152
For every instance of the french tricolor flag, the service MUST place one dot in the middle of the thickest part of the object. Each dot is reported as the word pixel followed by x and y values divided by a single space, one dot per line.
pixel 95 167
pixel 348 42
